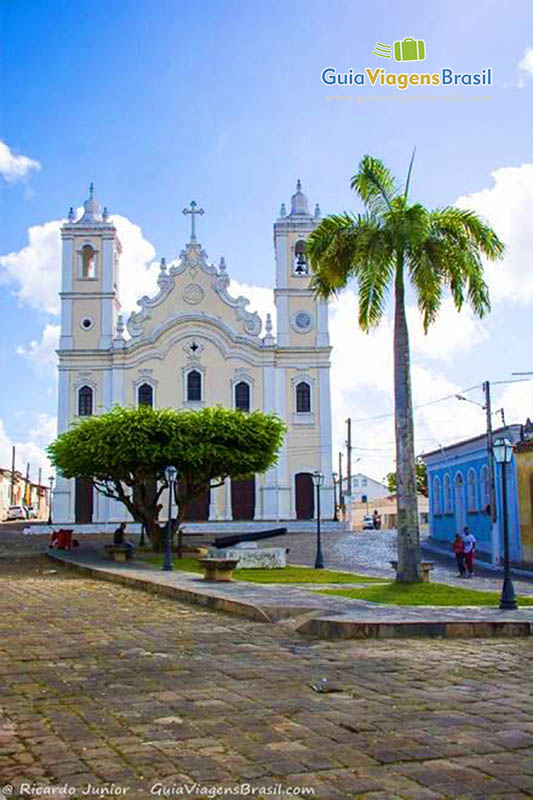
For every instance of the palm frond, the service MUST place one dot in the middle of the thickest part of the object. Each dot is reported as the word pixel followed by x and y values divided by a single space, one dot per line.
pixel 375 185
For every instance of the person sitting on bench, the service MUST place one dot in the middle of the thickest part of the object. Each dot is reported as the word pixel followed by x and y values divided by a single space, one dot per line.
pixel 119 540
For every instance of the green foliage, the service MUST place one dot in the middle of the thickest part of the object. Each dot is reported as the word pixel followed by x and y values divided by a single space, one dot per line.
pixel 421 479
pixel 132 447
pixel 425 594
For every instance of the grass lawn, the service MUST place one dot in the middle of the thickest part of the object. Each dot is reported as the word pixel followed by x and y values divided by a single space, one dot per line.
pixel 285 575
pixel 424 594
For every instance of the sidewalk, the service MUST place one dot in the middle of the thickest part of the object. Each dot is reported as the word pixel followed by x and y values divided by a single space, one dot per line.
pixel 306 611
pixel 430 546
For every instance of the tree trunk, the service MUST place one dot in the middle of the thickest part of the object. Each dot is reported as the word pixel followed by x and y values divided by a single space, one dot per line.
pixel 155 534
pixel 407 501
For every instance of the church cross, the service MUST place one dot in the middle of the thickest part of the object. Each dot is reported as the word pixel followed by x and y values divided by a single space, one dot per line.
pixel 193 212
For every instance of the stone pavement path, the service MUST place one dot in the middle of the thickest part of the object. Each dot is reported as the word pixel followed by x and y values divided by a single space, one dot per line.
pixel 108 686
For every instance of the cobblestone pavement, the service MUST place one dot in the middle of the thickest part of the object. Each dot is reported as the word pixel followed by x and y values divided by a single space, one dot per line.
pixel 115 688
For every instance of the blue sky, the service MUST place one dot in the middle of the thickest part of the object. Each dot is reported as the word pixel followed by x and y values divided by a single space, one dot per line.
pixel 159 102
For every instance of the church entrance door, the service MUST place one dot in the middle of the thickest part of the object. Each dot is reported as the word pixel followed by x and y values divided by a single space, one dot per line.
pixel 198 509
pixel 243 499
pixel 83 512
pixel 305 496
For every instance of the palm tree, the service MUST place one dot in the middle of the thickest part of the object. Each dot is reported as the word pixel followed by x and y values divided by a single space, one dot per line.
pixel 392 242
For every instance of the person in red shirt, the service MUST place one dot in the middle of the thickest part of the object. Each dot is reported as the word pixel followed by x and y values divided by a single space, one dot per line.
pixel 459 550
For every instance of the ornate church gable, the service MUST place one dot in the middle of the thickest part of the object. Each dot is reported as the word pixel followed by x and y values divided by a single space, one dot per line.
pixel 192 287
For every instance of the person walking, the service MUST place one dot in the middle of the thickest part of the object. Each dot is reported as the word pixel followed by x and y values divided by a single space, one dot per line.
pixel 469 542
pixel 459 550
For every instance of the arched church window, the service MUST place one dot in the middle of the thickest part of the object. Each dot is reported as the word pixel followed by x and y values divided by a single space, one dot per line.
pixel 301 266
pixel 194 386
pixel 145 395
pixel 85 401
pixel 88 262
pixel 437 506
pixel 242 396
pixel 472 490
pixel 303 398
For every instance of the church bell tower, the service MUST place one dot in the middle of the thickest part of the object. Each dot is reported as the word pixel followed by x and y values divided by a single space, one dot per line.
pixel 302 320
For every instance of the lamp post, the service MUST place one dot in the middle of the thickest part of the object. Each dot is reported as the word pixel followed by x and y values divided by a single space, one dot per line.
pixel 318 480
pixel 51 482
pixel 335 514
pixel 170 475
pixel 503 454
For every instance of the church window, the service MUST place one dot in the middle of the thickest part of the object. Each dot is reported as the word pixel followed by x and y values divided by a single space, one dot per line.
pixel 145 395
pixel 472 490
pixel 303 398
pixel 85 401
pixel 485 488
pixel 448 501
pixel 437 506
pixel 194 386
pixel 301 266
pixel 242 396
pixel 88 262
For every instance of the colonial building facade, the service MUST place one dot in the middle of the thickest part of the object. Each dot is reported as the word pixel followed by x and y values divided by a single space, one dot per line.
pixel 194 345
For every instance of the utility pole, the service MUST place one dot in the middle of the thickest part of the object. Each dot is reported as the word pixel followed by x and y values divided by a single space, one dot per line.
pixel 490 455
pixel 27 490
pixel 341 493
pixel 12 501
pixel 349 471
pixel 349 458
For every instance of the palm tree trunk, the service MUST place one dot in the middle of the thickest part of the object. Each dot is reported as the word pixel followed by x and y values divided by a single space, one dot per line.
pixel 407 501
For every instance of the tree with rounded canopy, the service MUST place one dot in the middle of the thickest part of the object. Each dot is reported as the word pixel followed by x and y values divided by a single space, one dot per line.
pixel 124 453
pixel 393 242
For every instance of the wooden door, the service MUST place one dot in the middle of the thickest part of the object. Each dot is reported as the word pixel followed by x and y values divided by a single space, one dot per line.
pixel 83 501
pixel 305 496
pixel 198 509
pixel 243 499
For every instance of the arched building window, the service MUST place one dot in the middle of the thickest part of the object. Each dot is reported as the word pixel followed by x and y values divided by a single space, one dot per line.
pixel 85 401
pixel 88 262
pixel 194 386
pixel 485 488
pixel 447 489
pixel 145 395
pixel 301 266
pixel 242 396
pixel 437 505
pixel 303 398
pixel 471 491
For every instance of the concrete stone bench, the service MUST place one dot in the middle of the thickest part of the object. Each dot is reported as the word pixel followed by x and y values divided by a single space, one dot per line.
pixel 118 552
pixel 218 569
pixel 425 566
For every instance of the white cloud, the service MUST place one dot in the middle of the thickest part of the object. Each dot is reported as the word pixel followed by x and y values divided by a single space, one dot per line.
pixel 525 67
pixel 14 168
pixel 29 449
pixel 35 269
pixel 506 205
pixel 42 354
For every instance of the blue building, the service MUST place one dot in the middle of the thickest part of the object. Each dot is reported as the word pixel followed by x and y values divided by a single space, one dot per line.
pixel 459 495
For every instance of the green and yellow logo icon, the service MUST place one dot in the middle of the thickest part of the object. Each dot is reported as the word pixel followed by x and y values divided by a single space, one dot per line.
pixel 405 50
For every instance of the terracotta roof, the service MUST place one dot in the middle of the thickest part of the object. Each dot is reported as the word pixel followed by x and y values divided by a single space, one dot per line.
pixel 522 447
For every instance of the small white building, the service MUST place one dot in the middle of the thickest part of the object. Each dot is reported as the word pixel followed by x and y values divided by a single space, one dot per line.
pixel 193 345
pixel 364 487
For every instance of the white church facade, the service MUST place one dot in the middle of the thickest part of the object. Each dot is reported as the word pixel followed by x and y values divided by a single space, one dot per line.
pixel 194 345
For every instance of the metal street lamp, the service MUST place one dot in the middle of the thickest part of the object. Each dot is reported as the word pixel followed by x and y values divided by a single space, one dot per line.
pixel 51 482
pixel 503 454
pixel 171 475
pixel 335 514
pixel 318 480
